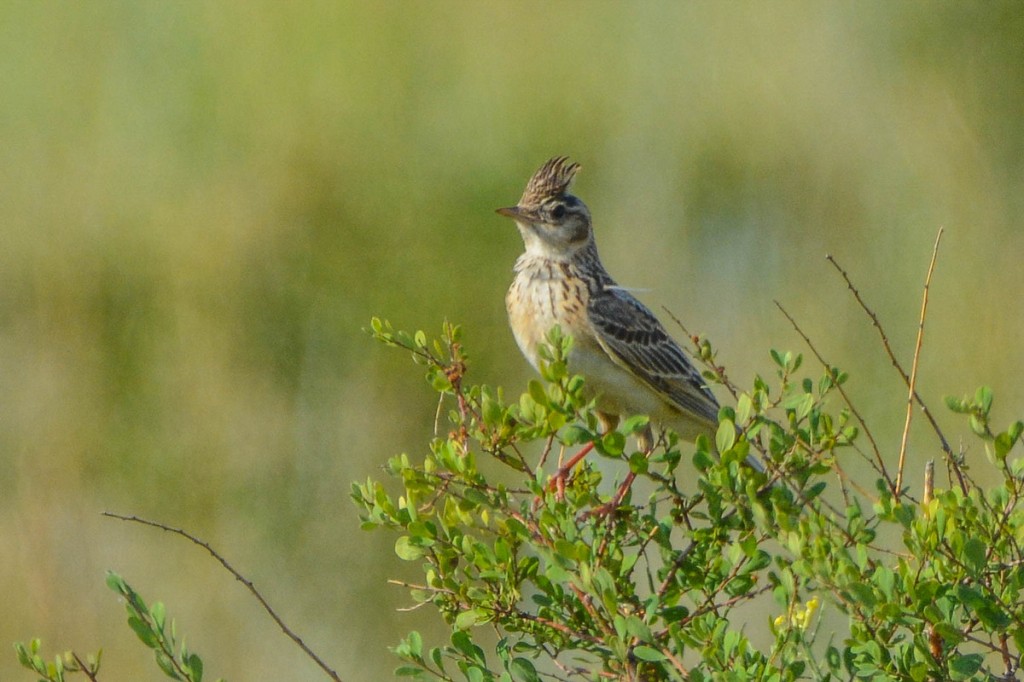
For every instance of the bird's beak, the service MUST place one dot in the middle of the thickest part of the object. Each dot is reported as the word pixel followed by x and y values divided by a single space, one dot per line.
pixel 513 212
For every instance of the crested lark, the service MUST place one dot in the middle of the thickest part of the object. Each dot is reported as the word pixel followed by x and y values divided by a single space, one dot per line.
pixel 630 363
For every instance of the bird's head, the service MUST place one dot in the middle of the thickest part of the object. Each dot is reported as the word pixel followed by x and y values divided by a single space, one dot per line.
pixel 552 222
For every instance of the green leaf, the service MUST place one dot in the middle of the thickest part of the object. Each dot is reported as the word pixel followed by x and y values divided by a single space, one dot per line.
pixel 971 597
pixel 490 410
pixel 635 627
pixel 22 652
pixel 725 438
pixel 415 642
pixel 159 613
pixel 406 550
pixel 833 658
pixel 744 407
pixel 983 399
pixel 702 459
pixel 404 338
pixel 537 392
pixel 612 444
pixel 636 423
pixel 464 645
pixel 468 619
pixel 885 578
pixel 993 618
pixel 165 664
pixel 116 583
pixel 195 665
pixel 815 490
pixel 574 434
pixel 647 653
pixel 964 667
pixel 522 670
pixel 144 632
pixel 1018 637
pixel 974 555
pixel 863 594
pixel 638 463
pixel 410 671
pixel 958 405
pixel 1003 444
pixel 803 406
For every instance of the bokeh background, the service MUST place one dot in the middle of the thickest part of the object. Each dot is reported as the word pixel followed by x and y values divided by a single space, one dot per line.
pixel 202 205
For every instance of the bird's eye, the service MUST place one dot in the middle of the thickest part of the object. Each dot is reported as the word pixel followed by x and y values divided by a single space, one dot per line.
pixel 558 211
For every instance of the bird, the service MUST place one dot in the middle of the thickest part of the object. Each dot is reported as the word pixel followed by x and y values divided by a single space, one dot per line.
pixel 630 363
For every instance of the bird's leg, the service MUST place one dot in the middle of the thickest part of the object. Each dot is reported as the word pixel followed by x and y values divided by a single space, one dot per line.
pixel 557 483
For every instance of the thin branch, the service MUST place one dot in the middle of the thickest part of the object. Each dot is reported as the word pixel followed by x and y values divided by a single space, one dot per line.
pixel 719 370
pixel 240 578
pixel 677 664
pixel 85 668
pixel 913 366
pixel 555 625
pixel 880 466
pixel 951 457
pixel 710 606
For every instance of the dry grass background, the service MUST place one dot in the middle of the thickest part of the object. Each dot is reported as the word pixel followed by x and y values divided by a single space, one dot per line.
pixel 202 204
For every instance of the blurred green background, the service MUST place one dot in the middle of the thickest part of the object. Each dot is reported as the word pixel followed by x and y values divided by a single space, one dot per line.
pixel 202 204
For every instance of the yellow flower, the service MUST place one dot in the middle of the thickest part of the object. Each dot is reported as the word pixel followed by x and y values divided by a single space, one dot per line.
pixel 800 619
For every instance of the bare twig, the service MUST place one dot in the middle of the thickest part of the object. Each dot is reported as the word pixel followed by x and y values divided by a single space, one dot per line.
pixel 879 464
pixel 929 482
pixel 895 363
pixel 677 664
pixel 719 370
pixel 913 366
pixel 240 578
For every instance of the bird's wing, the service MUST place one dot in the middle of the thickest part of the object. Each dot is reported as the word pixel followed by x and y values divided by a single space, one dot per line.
pixel 634 338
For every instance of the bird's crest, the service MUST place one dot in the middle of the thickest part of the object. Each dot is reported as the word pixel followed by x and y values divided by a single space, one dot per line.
pixel 551 180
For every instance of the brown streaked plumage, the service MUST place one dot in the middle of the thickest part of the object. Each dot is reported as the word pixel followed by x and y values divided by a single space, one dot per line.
pixel 630 363
pixel 552 179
